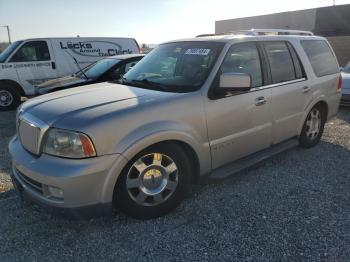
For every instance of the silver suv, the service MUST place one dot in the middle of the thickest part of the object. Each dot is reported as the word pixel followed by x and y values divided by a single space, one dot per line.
pixel 190 110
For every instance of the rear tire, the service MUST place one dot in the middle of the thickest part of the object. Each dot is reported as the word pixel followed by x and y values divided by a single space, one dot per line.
pixel 154 182
pixel 9 98
pixel 313 127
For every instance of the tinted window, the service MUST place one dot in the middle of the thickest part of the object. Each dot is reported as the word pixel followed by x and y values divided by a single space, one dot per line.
pixel 280 60
pixel 130 65
pixel 243 58
pixel 32 51
pixel 98 68
pixel 321 57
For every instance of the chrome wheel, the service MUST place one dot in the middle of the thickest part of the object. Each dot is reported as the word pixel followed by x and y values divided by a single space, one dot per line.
pixel 313 124
pixel 152 179
pixel 6 98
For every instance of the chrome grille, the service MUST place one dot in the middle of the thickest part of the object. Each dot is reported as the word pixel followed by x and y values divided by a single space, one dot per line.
pixel 29 135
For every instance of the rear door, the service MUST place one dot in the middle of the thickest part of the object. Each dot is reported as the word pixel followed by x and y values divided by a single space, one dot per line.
pixel 34 63
pixel 290 90
pixel 239 123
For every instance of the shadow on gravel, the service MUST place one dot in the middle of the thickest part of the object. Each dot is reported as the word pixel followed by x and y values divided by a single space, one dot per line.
pixel 344 114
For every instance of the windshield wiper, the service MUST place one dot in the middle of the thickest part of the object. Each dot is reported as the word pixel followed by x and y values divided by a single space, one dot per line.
pixel 145 83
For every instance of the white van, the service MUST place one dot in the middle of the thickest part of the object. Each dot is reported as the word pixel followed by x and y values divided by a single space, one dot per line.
pixel 27 63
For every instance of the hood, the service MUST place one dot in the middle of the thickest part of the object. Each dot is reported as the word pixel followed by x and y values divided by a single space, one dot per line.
pixel 93 101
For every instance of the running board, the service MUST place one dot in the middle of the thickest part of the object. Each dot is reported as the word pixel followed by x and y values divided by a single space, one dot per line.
pixel 248 161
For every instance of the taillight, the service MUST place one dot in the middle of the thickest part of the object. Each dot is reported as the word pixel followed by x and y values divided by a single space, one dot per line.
pixel 340 83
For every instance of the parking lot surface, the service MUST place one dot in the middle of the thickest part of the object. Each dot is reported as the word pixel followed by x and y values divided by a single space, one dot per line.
pixel 292 207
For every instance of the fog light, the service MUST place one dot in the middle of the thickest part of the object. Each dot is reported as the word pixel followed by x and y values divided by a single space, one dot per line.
pixel 55 192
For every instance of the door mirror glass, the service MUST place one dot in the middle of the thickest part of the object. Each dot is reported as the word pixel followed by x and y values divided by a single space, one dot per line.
pixel 235 82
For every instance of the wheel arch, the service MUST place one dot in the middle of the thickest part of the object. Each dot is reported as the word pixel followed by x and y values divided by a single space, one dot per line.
pixel 14 84
pixel 322 102
pixel 200 159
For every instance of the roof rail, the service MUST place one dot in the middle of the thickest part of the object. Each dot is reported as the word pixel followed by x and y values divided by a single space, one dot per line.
pixel 272 32
pixel 262 32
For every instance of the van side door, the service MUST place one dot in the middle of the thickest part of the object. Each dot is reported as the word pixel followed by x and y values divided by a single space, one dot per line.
pixel 239 123
pixel 290 90
pixel 34 63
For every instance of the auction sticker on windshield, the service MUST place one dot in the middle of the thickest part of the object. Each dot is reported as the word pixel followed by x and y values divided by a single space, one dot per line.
pixel 197 51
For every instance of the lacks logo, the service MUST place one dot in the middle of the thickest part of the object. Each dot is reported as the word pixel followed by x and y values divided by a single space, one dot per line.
pixel 78 45
pixel 94 48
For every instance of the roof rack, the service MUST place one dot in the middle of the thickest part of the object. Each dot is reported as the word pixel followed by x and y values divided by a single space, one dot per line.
pixel 262 32
pixel 272 32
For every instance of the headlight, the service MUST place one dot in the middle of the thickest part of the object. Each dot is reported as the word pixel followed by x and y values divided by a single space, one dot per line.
pixel 68 144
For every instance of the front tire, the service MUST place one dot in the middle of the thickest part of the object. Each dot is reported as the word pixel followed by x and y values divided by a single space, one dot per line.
pixel 9 98
pixel 154 182
pixel 313 127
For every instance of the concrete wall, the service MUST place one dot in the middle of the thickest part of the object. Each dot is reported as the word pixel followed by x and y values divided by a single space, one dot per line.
pixel 298 20
pixel 341 47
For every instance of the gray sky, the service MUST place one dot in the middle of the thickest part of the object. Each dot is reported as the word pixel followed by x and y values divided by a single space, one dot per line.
pixel 152 21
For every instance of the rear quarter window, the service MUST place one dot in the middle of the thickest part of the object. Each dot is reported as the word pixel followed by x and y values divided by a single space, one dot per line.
pixel 322 60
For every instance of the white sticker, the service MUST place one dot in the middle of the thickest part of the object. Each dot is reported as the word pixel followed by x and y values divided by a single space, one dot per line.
pixel 197 51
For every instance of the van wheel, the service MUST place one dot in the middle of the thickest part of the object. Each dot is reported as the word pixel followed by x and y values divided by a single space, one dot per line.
pixel 9 98
pixel 313 127
pixel 154 182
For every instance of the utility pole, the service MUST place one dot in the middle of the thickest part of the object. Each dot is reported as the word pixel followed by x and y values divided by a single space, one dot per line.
pixel 333 2
pixel 8 32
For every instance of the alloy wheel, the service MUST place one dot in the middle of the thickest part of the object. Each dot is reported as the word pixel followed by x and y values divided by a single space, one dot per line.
pixel 152 179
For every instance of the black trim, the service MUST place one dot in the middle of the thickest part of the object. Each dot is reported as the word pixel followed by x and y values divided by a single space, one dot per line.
pixel 293 51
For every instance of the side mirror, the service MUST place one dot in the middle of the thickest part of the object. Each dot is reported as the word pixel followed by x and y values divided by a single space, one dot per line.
pixel 235 82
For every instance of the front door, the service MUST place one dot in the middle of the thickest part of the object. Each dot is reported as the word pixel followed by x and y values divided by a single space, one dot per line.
pixel 239 123
pixel 34 64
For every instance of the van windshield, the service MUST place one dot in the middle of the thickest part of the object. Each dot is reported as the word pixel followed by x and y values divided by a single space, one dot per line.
pixel 97 69
pixel 175 67
pixel 8 51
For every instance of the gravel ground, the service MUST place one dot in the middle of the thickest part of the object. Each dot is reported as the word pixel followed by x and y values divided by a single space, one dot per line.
pixel 293 207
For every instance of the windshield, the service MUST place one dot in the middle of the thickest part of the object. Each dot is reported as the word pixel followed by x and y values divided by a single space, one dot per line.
pixel 97 69
pixel 8 51
pixel 346 68
pixel 175 67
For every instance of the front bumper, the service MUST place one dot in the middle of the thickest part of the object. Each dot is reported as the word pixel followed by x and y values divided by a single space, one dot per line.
pixel 85 182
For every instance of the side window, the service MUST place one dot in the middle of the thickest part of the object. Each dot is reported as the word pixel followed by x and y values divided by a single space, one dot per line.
pixel 243 58
pixel 321 57
pixel 298 66
pixel 32 51
pixel 280 60
pixel 129 65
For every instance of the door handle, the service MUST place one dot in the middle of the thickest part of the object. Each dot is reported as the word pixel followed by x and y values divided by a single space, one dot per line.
pixel 53 65
pixel 306 89
pixel 260 101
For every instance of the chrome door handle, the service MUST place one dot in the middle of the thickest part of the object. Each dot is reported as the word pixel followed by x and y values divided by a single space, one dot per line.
pixel 260 101
pixel 306 89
